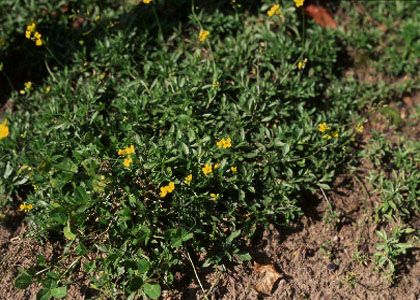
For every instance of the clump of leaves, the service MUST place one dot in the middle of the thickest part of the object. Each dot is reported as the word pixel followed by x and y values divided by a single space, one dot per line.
pixel 390 248
pixel 173 99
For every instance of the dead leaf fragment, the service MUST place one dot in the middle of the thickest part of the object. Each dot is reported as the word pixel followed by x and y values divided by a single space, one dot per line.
pixel 267 276
pixel 320 16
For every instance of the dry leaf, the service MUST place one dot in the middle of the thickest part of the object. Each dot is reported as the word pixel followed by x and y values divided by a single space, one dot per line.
pixel 320 16
pixel 267 276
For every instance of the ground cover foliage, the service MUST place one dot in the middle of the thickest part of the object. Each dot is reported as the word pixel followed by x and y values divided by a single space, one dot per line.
pixel 140 142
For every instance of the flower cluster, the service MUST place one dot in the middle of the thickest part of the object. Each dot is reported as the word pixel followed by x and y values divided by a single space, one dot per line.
pixel 203 35
pixel 224 143
pixel 25 207
pixel 32 34
pixel 127 152
pixel 147 1
pixel 167 189
pixel 4 130
pixel 323 127
pixel 27 89
pixel 274 10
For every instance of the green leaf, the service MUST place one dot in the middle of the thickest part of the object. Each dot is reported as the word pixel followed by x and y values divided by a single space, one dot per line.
pixel 67 232
pixel 233 236
pixel 44 294
pixel 8 171
pixel 185 149
pixel 67 165
pixel 59 292
pixel 244 256
pixel 177 236
pixel 152 290
pixel 23 280
pixel 81 195
pixel 143 265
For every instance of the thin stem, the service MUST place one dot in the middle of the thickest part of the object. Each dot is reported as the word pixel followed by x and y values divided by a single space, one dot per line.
pixel 325 196
pixel 196 276
pixel 52 54
pixel 196 19
pixel 160 31
pixel 8 80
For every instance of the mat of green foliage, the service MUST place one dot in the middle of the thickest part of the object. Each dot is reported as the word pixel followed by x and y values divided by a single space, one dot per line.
pixel 230 123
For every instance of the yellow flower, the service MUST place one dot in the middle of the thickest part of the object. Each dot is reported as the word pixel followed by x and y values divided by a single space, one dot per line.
pixel 274 10
pixel 299 3
pixel 323 127
pixel 359 128
pixel 214 196
pixel 25 207
pixel 227 143
pixel 216 166
pixel 170 187
pixel 203 35
pixel 4 130
pixel 31 27
pixel 38 42
pixel 302 63
pixel 147 1
pixel 234 169
pixel 188 179
pixel 207 169
pixel 127 151
pixel 224 143
pixel 37 35
pixel 327 137
pixel 47 89
pixel 334 134
pixel 128 162
pixel 163 191
pixel 131 150
pixel 219 144
pixel 29 30
pixel 28 87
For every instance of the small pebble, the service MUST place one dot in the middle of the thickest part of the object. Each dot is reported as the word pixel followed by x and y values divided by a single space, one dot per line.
pixel 309 253
pixel 332 267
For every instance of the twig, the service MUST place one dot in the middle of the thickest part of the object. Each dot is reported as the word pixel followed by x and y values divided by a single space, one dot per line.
pixel 49 71
pixel 214 283
pixel 196 275
pixel 325 196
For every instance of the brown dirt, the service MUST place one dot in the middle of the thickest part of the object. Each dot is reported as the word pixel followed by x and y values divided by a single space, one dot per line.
pixel 18 250
pixel 15 251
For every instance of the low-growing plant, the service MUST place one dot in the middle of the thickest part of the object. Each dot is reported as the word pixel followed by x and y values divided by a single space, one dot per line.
pixel 395 177
pixel 389 249
pixel 163 137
